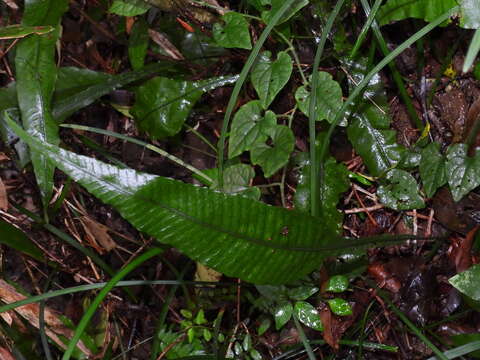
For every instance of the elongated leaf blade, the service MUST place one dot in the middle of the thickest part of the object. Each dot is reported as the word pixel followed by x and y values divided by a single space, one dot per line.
pixel 232 234
pixel 36 75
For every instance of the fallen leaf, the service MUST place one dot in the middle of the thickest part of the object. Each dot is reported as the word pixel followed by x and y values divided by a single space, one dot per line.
pixel 165 44
pixel 97 235
pixel 462 254
pixel 3 196
pixel 55 328
pixel 204 273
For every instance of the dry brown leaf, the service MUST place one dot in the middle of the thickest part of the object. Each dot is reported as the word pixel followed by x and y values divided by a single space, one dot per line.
pixel 165 44
pixel 204 273
pixel 5 354
pixel 463 255
pixel 3 157
pixel 30 312
pixel 97 235
pixel 3 196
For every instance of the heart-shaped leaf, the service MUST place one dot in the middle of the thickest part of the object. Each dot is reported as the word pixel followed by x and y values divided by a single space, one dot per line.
pixel 329 98
pixel 249 127
pixel 401 191
pixel 463 171
pixel 162 104
pixel 432 169
pixel 272 157
pixel 268 77
pixel 234 33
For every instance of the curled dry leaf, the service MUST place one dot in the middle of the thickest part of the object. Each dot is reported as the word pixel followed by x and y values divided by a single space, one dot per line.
pixel 55 328
pixel 161 40
pixel 3 196
pixel 462 254
pixel 97 235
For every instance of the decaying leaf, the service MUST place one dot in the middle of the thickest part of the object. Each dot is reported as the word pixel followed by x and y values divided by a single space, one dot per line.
pixel 162 41
pixel 3 196
pixel 97 235
pixel 55 329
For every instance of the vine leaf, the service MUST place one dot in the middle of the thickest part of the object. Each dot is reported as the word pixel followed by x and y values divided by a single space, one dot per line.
pixel 268 77
pixel 432 169
pixel 234 33
pixel 463 171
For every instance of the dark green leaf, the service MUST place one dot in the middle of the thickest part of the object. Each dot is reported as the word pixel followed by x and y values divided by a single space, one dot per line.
pixel 44 12
pixel 329 98
pixel 463 171
pixel 336 183
pixel 129 7
pixel 432 169
pixel 302 292
pixel 308 315
pixel 36 74
pixel 138 44
pixel 268 77
pixel 234 33
pixel 8 97
pixel 66 106
pixel 16 239
pixel 337 284
pixel 264 326
pixel 427 10
pixel 162 104
pixel 273 157
pixel 378 148
pixel 401 191
pixel 282 314
pixel 340 307
pixel 236 181
pixel 10 138
pixel 249 128
pixel 373 105
pixel 231 234
pixel 468 282
pixel 71 81
pixel 275 6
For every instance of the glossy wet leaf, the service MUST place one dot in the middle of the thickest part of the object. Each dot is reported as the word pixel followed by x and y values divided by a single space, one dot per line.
pixel 275 5
pixel 400 191
pixel 308 315
pixel 378 148
pixel 36 73
pixel 463 171
pixel 162 105
pixel 273 156
pixel 138 44
pixel 468 282
pixel 340 307
pixel 336 183
pixel 302 292
pixel 16 239
pixel 249 127
pixel 373 106
pixel 236 181
pixel 329 98
pixel 81 87
pixel 20 31
pixel 470 14
pixel 269 77
pixel 282 314
pixel 231 234
pixel 129 7
pixel 233 33
pixel 432 169
pixel 337 284
pixel 428 10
